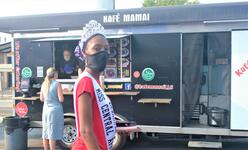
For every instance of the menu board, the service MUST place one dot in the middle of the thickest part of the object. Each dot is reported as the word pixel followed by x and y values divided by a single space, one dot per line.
pixel 118 65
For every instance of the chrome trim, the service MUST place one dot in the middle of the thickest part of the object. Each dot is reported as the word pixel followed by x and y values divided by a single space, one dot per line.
pixel 204 130
pixel 224 21
pixel 181 77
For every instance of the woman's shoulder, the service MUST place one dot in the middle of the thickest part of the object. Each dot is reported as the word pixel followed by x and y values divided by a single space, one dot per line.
pixel 85 84
pixel 55 82
pixel 85 80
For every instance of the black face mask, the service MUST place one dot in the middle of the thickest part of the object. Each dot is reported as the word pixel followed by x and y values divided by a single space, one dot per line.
pixel 97 62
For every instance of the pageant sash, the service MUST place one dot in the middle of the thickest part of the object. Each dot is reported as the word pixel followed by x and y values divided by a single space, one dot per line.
pixel 105 109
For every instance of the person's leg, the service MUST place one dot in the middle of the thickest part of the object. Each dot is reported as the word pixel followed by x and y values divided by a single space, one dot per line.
pixel 52 144
pixel 45 144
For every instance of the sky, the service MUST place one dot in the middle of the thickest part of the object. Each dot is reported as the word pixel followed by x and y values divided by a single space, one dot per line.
pixel 28 7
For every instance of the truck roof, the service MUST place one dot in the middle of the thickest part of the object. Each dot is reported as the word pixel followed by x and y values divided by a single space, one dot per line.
pixel 127 17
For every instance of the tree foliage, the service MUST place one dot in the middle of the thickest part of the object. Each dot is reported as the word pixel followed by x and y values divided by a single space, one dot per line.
pixel 150 3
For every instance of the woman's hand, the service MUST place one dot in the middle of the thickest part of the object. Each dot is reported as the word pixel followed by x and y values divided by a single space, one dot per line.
pixel 128 130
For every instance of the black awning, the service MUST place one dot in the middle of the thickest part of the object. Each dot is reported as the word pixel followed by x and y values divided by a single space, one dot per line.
pixel 5 48
pixel 125 17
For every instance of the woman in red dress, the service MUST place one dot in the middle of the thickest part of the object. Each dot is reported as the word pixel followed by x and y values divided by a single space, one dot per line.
pixel 94 113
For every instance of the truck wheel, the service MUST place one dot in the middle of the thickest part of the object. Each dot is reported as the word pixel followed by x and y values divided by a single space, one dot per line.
pixel 70 133
pixel 120 139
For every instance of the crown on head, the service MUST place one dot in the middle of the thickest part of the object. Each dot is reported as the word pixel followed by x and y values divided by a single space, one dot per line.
pixel 91 28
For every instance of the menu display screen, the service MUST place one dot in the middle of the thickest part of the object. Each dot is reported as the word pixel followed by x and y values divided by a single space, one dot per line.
pixel 119 65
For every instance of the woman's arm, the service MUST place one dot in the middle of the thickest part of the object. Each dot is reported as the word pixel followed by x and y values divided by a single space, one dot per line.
pixel 85 120
pixel 60 93
pixel 41 94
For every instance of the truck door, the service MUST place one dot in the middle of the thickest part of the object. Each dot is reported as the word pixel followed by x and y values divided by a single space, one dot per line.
pixel 239 83
pixel 156 74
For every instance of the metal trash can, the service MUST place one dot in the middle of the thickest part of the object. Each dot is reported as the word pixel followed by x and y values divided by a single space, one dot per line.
pixel 15 132
pixel 217 117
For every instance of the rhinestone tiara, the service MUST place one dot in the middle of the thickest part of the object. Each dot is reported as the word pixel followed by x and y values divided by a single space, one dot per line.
pixel 91 28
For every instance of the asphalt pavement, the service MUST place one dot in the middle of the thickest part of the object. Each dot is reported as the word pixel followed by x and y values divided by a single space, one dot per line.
pixel 35 143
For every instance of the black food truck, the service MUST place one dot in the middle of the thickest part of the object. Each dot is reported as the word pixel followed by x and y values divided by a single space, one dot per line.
pixel 173 71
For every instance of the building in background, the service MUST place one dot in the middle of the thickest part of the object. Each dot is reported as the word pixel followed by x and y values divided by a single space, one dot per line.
pixel 4 38
pixel 5 64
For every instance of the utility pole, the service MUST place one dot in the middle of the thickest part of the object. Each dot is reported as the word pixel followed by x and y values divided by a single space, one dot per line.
pixel 113 4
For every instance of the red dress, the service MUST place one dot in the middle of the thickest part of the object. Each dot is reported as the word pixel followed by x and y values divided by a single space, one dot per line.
pixel 86 85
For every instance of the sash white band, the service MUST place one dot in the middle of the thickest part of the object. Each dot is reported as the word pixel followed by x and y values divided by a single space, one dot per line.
pixel 105 109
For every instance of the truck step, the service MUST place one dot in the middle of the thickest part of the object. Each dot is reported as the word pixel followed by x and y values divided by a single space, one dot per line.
pixel 204 144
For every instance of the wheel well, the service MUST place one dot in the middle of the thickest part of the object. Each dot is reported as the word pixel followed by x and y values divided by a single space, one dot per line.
pixel 69 115
pixel 120 117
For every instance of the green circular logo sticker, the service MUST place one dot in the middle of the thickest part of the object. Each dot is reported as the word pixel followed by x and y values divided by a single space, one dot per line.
pixel 26 72
pixel 148 74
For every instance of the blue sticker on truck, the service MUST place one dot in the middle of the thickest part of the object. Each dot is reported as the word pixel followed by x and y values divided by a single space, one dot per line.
pixel 128 86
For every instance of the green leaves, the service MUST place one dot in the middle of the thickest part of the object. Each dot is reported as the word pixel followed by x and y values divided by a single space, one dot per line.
pixel 151 3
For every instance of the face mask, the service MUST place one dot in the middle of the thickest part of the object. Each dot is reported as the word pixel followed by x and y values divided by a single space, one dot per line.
pixel 97 62
pixel 67 58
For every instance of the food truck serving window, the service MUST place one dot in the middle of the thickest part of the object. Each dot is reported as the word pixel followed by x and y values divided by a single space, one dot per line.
pixel 119 63
pixel 118 67
pixel 63 53
pixel 65 61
